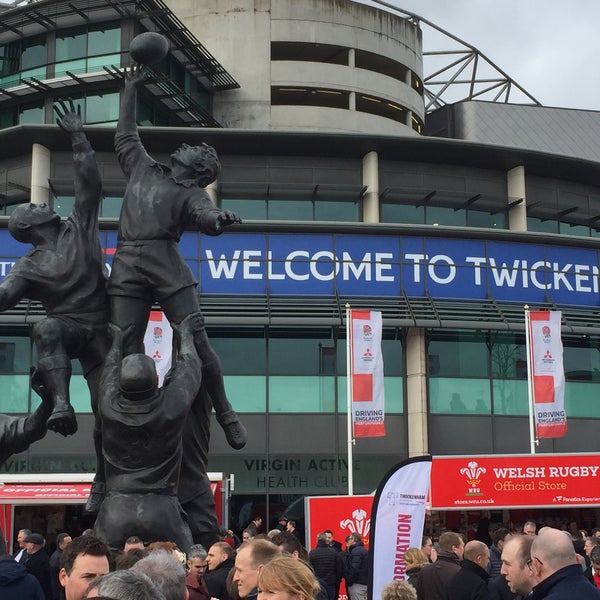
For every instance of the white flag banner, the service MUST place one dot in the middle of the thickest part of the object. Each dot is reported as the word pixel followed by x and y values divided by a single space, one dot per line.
pixel 397 520
pixel 547 373
pixel 158 342
pixel 368 398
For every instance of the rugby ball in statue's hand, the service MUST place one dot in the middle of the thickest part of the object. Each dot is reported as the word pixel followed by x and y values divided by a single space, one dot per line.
pixel 148 48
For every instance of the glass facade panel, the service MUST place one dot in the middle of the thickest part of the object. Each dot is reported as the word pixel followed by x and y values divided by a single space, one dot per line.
pixel 31 114
pixel 459 396
pixel 570 229
pixel 111 207
pixel 302 394
pixel 509 356
pixel 458 354
pixel 33 53
pixel 439 215
pixel 103 108
pixel 336 211
pixel 290 210
pixel 246 209
pixel 80 394
pixel 394 395
pixel 581 400
pixel 63 205
pixel 541 225
pixel 247 394
pixel 241 355
pixel 581 359
pixel 510 397
pixel 478 218
pixel 71 51
pixel 301 356
pixel 402 213
pixel 15 394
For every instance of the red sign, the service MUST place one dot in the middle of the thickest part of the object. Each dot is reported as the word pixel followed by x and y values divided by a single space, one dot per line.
pixel 63 492
pixel 342 514
pixel 513 481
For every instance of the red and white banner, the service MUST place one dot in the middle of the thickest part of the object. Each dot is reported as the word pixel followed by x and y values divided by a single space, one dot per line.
pixel 397 520
pixel 366 360
pixel 342 514
pixel 515 481
pixel 547 373
pixel 158 342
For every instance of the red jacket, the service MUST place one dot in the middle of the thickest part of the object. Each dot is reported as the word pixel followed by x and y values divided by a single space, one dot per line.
pixel 196 587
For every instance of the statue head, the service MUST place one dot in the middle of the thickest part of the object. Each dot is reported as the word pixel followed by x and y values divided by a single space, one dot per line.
pixel 202 160
pixel 26 217
pixel 138 378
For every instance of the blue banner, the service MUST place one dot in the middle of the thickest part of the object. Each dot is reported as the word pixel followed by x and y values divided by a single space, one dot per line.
pixel 372 265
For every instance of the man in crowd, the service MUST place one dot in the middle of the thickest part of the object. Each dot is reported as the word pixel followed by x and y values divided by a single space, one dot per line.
pixel 434 578
pixel 62 541
pixel 125 585
pixel 326 564
pixel 220 560
pixel 356 567
pixel 529 528
pixel 471 580
pixel 167 574
pixel 21 555
pixel 84 559
pixel 250 558
pixel 38 562
pixel 498 537
pixel 557 568
pixel 133 541
pixel 15 582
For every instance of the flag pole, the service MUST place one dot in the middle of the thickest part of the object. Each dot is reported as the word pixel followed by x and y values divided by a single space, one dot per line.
pixel 349 367
pixel 530 399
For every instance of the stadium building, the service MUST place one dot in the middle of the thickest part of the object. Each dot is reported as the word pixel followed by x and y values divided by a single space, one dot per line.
pixel 368 171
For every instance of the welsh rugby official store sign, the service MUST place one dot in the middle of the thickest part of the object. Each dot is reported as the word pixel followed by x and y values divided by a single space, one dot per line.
pixel 515 481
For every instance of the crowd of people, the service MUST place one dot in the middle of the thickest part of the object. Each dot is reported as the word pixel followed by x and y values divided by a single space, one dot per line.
pixel 548 564
pixel 551 564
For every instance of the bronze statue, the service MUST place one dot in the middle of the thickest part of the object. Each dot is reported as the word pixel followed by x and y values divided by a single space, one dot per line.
pixel 142 441
pixel 65 272
pixel 159 203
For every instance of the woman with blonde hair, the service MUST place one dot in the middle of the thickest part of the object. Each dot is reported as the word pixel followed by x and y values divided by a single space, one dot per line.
pixel 286 578
pixel 398 590
pixel 415 560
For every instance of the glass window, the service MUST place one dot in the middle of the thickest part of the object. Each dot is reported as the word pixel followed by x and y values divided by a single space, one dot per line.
pixel 31 114
pixel 99 42
pixel 457 354
pixel 570 229
pixel 301 394
pixel 80 394
pixel 33 53
pixel 241 355
pixel 15 393
pixel 439 215
pixel 300 355
pixel 15 354
pixel 63 205
pixel 247 393
pixel 548 226
pixel 459 396
pixel 581 359
pixel 510 397
pixel 509 356
pixel 336 211
pixel 402 213
pixel 9 60
pixel 71 51
pixel 581 400
pixel 8 118
pixel 290 210
pixel 103 108
pixel 478 218
pixel 246 209
pixel 111 207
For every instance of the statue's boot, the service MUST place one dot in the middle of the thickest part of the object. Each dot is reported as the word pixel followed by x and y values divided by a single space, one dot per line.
pixel 96 497
pixel 235 432
pixel 55 372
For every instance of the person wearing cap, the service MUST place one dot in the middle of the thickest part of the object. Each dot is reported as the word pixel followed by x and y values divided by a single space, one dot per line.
pixel 38 562
pixel 142 427
pixel 282 523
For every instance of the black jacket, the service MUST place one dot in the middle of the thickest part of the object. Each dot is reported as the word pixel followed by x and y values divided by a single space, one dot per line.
pixel 357 567
pixel 470 583
pixel 325 562
pixel 16 583
pixel 216 581
pixel 434 578
pixel 38 564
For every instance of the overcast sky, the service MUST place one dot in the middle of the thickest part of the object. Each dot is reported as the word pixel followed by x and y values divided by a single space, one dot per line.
pixel 549 47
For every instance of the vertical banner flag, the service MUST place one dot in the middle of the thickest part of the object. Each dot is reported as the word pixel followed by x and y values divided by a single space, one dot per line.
pixel 397 521
pixel 368 401
pixel 547 373
pixel 158 342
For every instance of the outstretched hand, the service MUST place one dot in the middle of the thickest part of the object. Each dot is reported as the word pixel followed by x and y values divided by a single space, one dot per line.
pixel 224 219
pixel 135 74
pixel 67 117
